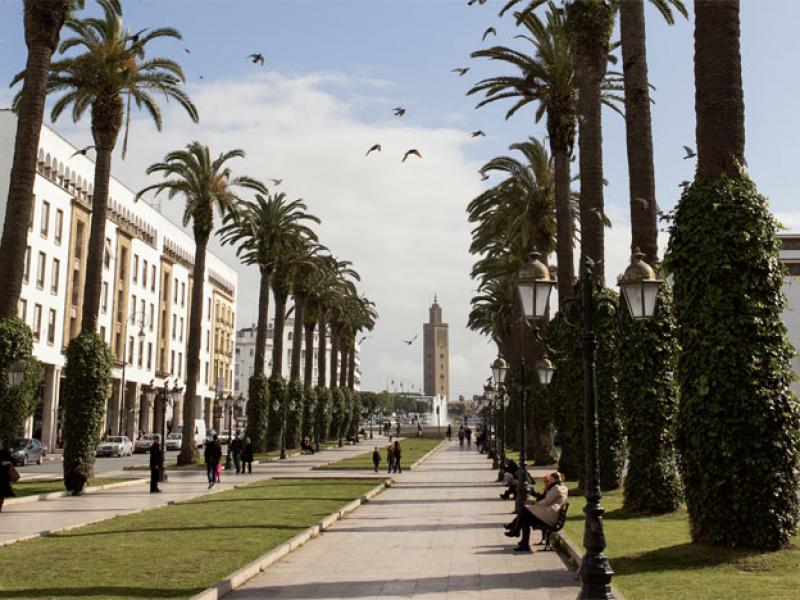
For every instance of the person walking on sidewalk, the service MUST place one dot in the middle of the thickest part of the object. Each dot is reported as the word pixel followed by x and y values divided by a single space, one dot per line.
pixel 390 458
pixel 236 452
pixel 156 466
pixel 6 464
pixel 461 436
pixel 468 433
pixel 376 458
pixel 449 433
pixel 247 456
pixel 397 455
pixel 212 454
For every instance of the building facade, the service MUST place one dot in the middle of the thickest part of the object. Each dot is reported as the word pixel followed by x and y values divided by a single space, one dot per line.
pixel 790 256
pixel 436 354
pixel 145 296
pixel 245 356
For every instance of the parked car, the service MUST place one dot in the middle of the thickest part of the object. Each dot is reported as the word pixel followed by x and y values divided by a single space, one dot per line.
pixel 174 441
pixel 115 445
pixel 27 450
pixel 144 443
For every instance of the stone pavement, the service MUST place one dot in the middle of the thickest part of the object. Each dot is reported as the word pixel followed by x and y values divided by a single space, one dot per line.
pixel 436 534
pixel 23 520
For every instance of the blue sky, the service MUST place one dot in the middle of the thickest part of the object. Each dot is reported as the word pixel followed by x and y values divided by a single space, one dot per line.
pixel 334 69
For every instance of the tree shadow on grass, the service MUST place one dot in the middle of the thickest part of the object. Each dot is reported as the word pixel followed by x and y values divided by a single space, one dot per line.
pixel 102 592
pixel 680 557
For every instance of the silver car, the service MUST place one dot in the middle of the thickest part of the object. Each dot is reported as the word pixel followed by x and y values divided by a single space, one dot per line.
pixel 115 445
pixel 144 443
pixel 174 441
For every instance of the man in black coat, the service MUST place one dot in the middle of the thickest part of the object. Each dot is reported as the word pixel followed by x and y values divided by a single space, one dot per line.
pixel 212 456
pixel 156 466
pixel 237 446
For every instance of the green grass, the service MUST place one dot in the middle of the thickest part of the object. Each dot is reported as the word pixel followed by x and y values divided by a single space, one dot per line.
pixel 45 486
pixel 172 465
pixel 175 551
pixel 653 559
pixel 413 450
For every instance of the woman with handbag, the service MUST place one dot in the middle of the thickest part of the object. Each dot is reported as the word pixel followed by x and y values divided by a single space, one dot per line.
pixel 7 474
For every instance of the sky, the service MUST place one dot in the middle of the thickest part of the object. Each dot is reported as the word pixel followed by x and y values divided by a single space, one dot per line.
pixel 334 70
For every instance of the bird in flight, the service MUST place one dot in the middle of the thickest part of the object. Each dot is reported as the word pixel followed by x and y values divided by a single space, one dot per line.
pixel 187 51
pixel 82 151
pixel 478 133
pixel 411 341
pixel 201 77
pixel 689 152
pixel 471 2
pixel 486 33
pixel 135 37
pixel 373 148
pixel 684 184
pixel 460 70
pixel 256 58
pixel 366 337
pixel 484 176
pixel 399 111
pixel 276 182
pixel 413 151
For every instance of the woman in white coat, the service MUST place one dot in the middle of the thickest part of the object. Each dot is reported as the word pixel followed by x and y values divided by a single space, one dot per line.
pixel 542 513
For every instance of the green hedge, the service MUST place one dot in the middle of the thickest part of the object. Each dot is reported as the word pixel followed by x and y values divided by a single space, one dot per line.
pixel 17 404
pixel 323 406
pixel 294 419
pixel 277 392
pixel 649 395
pixel 738 421
pixel 87 387
pixel 258 411
pixel 309 408
pixel 337 412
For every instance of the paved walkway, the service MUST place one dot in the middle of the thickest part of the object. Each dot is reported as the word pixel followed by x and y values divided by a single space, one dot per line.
pixel 435 535
pixel 23 520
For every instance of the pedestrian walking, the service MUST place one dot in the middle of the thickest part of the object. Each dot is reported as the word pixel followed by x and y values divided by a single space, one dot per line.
pixel 212 455
pixel 449 433
pixel 462 436
pixel 468 434
pixel 390 458
pixel 376 458
pixel 237 445
pixel 397 454
pixel 247 455
pixel 397 429
pixel 156 466
pixel 6 470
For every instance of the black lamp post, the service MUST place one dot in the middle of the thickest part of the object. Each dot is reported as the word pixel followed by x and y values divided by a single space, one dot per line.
pixel 276 407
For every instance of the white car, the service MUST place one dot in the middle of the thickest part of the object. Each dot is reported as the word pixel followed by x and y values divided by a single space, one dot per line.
pixel 144 443
pixel 174 441
pixel 115 445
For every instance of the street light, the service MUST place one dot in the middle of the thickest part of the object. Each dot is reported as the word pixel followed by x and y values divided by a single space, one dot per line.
pixel 534 285
pixel 16 373
pixel 544 369
pixel 640 287
pixel 276 406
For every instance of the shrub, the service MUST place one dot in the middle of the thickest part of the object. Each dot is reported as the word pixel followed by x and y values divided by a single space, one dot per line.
pixel 309 422
pixel 294 419
pixel 277 393
pixel 17 404
pixel 323 406
pixel 258 411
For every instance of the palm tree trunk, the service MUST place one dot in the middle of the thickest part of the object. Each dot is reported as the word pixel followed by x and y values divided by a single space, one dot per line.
pixel 43 20
pixel 564 233
pixel 334 356
pixel 188 453
pixel 343 367
pixel 638 130
pixel 308 366
pixel 719 98
pixel 280 293
pixel 351 367
pixel 263 317
pixel 297 336
pixel 322 351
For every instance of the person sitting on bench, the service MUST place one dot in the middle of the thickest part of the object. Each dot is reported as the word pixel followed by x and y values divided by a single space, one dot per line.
pixel 306 447
pixel 510 468
pixel 541 514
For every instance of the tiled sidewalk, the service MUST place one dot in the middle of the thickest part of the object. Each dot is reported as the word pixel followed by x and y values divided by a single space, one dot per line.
pixel 436 534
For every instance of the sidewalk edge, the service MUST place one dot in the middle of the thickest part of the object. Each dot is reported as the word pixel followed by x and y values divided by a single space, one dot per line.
pixel 567 547
pixel 89 490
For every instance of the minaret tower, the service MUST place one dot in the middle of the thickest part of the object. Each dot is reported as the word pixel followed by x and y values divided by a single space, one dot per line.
pixel 436 353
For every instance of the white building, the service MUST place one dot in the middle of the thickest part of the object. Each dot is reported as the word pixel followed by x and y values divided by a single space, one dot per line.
pixel 245 356
pixel 790 256
pixel 144 303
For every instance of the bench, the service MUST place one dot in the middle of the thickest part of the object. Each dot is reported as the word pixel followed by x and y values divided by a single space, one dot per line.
pixel 562 517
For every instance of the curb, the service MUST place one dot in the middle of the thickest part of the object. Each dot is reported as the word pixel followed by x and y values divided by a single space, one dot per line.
pixel 574 555
pixel 89 490
pixel 244 574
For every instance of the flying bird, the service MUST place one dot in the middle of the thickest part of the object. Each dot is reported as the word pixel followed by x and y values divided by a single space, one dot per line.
pixel 187 51
pixel 684 184
pixel 413 151
pixel 82 151
pixel 276 182
pixel 486 33
pixel 375 147
pixel 135 37
pixel 399 111
pixel 484 176
pixel 411 341
pixel 471 2
pixel 366 337
pixel 256 58
pixel 478 133
pixel 460 70
pixel 201 77
pixel 689 152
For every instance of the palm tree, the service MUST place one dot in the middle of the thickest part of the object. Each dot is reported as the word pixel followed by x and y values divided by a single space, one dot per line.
pixel 111 66
pixel 205 184
pixel 305 275
pixel 42 21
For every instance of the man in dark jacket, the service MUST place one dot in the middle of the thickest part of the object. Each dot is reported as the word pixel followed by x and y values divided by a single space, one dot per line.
pixel 237 445
pixel 212 456
pixel 510 468
pixel 247 456
pixel 156 466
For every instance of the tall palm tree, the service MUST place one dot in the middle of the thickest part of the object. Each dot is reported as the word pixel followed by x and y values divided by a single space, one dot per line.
pixel 305 275
pixel 42 22
pixel 205 184
pixel 111 66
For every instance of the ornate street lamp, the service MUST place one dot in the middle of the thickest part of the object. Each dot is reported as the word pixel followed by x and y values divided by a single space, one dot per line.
pixel 499 370
pixel 640 287
pixel 544 370
pixel 534 285
pixel 15 373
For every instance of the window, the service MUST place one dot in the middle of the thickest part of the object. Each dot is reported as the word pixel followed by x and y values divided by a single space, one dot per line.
pixel 119 306
pixel 175 291
pixel 30 215
pixel 149 355
pixel 141 353
pixel 26 274
pixel 103 332
pixel 79 239
pixel 164 324
pixel 207 382
pixel 123 259
pixel 135 272
pixel 144 274
pixel 183 294
pixel 142 314
pixel 40 270
pixel 180 333
pixel 107 254
pixel 152 278
pixel 152 315
pixel 166 287
pixel 44 226
pixel 51 327
pixel 116 345
pixel 290 335
pixel 180 364
pixel 37 321
pixel 251 351
pixel 59 225
pixel 22 309
pixel 76 288
pixel 174 323
pixel 130 350
pixel 54 276
pixel 208 340
pixel 209 309
pixel 172 362
pixel 133 307
pixel 104 298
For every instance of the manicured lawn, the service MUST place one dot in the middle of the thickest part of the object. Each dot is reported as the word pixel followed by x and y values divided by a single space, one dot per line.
pixel 653 559
pixel 45 486
pixel 413 450
pixel 201 466
pixel 175 551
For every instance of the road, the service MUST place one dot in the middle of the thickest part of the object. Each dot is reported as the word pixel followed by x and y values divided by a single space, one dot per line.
pixel 102 465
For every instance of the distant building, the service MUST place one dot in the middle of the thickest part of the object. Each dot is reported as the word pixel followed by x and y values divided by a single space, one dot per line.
pixel 436 354
pixel 790 256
